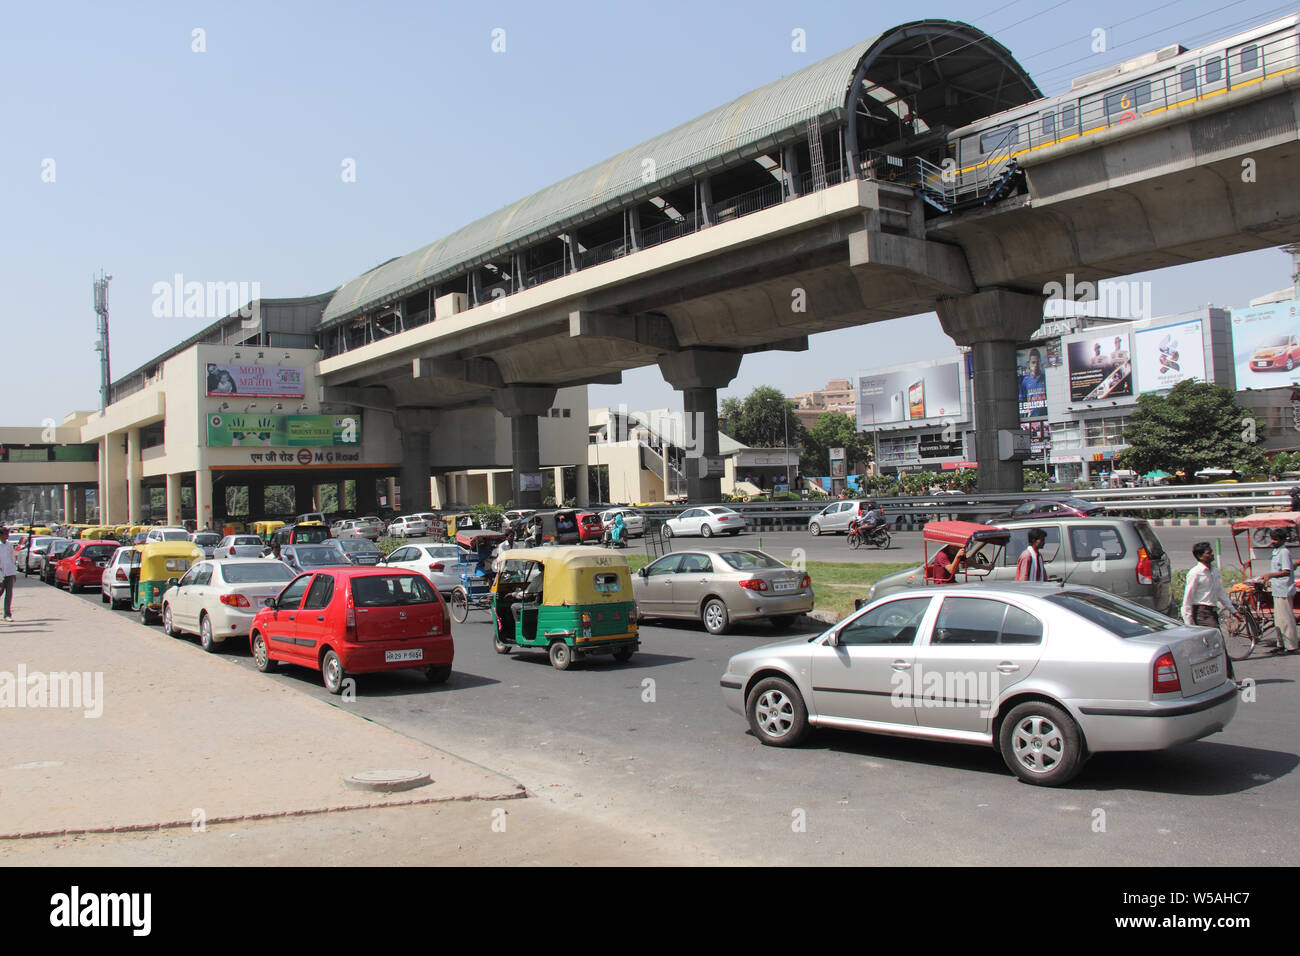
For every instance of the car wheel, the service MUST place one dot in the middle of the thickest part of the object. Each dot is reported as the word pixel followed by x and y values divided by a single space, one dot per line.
pixel 561 656
pixel 624 654
pixel 706 531
pixel 144 614
pixel 205 634
pixel 716 618
pixel 103 598
pixel 331 669
pixel 1290 363
pixel 438 674
pixel 500 646
pixel 1041 744
pixel 782 620
pixel 667 531
pixel 167 622
pixel 459 605
pixel 814 529
pixel 261 659
pixel 776 713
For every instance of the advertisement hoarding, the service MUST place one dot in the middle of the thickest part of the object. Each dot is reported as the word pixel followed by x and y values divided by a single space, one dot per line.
pixel 1099 366
pixel 282 431
pixel 1168 355
pixel 270 381
pixel 1266 344
pixel 915 394
pixel 1032 379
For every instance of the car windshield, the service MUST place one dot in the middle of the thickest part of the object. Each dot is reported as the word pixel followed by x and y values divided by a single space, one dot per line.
pixel 39 541
pixel 749 560
pixel 174 535
pixel 720 511
pixel 391 590
pixel 247 541
pixel 206 540
pixel 358 545
pixel 448 551
pixel 1079 504
pixel 317 557
pixel 311 534
pixel 99 552
pixel 1121 618
pixel 260 572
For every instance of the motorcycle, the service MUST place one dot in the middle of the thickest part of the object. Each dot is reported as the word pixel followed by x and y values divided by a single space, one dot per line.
pixel 877 536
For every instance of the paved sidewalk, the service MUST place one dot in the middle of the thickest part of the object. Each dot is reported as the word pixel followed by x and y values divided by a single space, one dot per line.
pixel 182 734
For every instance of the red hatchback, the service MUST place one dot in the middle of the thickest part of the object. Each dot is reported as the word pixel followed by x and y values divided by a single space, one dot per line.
pixel 84 566
pixel 343 621
pixel 590 527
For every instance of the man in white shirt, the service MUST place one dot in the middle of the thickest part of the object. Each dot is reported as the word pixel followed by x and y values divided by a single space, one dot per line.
pixel 1204 593
pixel 8 572
pixel 1281 578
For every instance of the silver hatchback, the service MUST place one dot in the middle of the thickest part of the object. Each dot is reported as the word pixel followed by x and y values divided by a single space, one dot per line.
pixel 1047 675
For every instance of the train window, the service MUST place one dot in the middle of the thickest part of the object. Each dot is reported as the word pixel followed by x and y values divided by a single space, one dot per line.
pixel 1068 117
pixel 1128 100
pixel 999 139
pixel 1249 58
pixel 1213 70
pixel 1049 124
pixel 1187 79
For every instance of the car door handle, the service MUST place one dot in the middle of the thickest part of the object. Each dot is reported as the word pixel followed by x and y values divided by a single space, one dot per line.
pixel 901 665
pixel 320 617
pixel 291 617
pixel 1006 667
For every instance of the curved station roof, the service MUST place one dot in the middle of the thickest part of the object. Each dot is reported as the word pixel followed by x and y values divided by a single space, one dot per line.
pixel 942 72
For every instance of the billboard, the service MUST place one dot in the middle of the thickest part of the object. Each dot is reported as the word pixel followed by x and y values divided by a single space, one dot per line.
pixel 1032 378
pixel 1099 366
pixel 282 431
pixel 1168 355
pixel 917 394
pixel 270 381
pixel 1266 344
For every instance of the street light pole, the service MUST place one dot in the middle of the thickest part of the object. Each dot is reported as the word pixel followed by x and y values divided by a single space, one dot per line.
pixel 785 420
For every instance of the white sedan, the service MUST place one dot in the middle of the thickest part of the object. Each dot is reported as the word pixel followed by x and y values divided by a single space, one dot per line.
pixel 219 599
pixel 706 521
pixel 437 562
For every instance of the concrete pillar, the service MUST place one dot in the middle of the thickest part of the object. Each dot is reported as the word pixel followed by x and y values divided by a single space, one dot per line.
pixel 133 504
pixel 438 495
pixel 174 498
pixel 491 479
pixel 202 492
pixel 415 425
pixel 523 405
pixel 302 489
pixel 256 501
pixel 106 496
pixel 559 486
pixel 340 495
pixel 582 479
pixel 390 492
pixel 665 463
pixel 78 505
pixel 367 495
pixel 992 323
pixel 67 503
pixel 698 374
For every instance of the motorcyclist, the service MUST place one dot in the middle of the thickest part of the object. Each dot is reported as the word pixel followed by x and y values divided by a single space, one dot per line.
pixel 873 519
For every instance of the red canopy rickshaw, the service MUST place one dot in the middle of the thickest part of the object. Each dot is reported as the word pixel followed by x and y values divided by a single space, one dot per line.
pixel 983 544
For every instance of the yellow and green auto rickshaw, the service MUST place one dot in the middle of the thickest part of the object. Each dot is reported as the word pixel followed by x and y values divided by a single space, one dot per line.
pixel 161 564
pixel 572 602
pixel 264 529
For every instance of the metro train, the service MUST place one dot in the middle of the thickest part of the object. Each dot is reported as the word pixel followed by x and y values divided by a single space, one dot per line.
pixel 1172 78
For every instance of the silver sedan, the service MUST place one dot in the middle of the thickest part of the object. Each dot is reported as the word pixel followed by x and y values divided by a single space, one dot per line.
pixel 721 587
pixel 1044 674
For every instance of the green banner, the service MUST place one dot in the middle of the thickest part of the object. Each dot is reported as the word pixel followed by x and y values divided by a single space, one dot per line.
pixel 282 431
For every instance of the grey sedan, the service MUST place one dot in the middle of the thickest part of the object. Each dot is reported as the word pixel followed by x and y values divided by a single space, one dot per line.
pixel 721 587
pixel 1047 675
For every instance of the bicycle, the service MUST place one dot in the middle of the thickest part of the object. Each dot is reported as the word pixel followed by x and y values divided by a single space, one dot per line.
pixel 1241 635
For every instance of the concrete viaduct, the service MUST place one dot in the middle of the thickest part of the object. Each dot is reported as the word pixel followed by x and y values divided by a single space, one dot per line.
pixel 771 218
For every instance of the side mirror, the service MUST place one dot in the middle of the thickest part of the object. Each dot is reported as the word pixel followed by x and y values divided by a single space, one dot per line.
pixel 644 572
pixel 172 582
pixel 833 639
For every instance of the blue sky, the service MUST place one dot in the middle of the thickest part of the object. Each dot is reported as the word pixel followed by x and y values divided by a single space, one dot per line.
pixel 224 165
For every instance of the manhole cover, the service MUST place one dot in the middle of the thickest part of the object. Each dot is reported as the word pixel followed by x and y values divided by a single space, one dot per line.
pixel 387 780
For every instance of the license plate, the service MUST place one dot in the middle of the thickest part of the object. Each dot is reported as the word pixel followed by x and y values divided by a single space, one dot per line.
pixel 783 586
pixel 1202 671
pixel 413 655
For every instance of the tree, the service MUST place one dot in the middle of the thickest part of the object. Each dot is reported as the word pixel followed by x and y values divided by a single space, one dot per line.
pixel 1196 425
pixel 833 430
pixel 763 419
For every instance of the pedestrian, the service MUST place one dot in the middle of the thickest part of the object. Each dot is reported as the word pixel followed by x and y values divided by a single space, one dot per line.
pixel 1204 594
pixel 1281 578
pixel 1030 567
pixel 502 548
pixel 8 573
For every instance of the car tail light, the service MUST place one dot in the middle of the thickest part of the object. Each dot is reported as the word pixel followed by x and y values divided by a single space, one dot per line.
pixel 350 620
pixel 122 575
pixel 435 567
pixel 1144 567
pixel 724 517
pixel 806 582
pixel 234 600
pixel 1164 674
pixel 754 584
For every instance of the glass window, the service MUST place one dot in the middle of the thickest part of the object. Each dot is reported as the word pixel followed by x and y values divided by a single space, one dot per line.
pixel 748 560
pixel 1122 618
pixel 260 572
pixel 666 565
pixel 1020 540
pixel 1069 116
pixel 1249 58
pixel 1213 70
pixel 391 591
pixel 894 622
pixel 695 564
pixel 1000 140
pixel 1187 79
pixel 291 597
pixel 202 575
pixel 99 552
pixel 1128 100
pixel 188 578
pixel 322 589
pixel 1093 541
pixel 1049 124
pixel 1021 627
pixel 969 621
